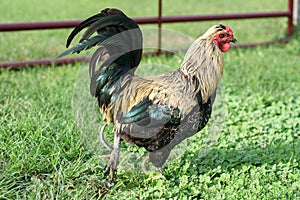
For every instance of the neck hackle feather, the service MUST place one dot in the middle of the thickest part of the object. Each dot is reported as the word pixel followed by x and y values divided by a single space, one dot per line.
pixel 203 64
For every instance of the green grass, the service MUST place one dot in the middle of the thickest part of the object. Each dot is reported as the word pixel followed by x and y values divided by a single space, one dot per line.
pixel 44 156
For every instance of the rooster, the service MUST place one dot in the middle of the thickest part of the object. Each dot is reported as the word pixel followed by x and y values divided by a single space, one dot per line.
pixel 154 112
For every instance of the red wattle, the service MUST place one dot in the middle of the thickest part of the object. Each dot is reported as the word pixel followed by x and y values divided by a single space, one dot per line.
pixel 224 47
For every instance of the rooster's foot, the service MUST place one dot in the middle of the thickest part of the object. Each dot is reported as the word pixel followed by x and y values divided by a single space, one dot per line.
pixel 158 169
pixel 111 164
pixel 113 158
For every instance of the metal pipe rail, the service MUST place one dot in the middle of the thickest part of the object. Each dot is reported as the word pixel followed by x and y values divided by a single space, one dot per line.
pixel 23 26
pixel 141 20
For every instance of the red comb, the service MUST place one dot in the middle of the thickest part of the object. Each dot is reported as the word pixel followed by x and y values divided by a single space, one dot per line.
pixel 228 30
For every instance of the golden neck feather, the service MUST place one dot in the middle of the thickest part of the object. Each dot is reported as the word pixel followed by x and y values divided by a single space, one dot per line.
pixel 203 65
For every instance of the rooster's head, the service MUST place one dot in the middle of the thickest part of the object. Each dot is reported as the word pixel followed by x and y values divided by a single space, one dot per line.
pixel 221 36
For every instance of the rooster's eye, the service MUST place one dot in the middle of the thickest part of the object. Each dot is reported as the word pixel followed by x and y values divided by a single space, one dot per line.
pixel 221 35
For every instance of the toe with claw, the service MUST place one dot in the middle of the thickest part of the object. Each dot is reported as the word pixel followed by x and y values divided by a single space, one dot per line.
pixel 111 164
pixel 113 158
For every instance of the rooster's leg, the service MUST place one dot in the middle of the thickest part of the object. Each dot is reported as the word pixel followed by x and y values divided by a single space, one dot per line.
pixel 113 157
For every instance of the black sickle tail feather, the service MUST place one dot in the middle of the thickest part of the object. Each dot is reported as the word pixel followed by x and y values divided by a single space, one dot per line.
pixel 89 21
pixel 119 41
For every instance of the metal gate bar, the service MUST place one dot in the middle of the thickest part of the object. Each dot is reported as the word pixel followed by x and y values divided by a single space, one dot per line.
pixel 4 27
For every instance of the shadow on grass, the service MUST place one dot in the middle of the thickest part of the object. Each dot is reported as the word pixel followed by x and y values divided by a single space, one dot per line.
pixel 251 154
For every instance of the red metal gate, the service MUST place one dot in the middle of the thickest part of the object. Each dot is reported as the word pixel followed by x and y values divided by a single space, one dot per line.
pixel 159 19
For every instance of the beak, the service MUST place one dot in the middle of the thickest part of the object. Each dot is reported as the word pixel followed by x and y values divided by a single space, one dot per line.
pixel 233 40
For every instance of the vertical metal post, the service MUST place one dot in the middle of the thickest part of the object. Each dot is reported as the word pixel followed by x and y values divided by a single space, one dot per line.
pixel 297 12
pixel 290 18
pixel 159 26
